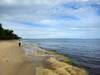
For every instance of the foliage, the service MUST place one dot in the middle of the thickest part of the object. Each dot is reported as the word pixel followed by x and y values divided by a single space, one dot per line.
pixel 6 34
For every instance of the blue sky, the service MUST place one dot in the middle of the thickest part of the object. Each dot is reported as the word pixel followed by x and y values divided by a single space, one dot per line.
pixel 52 18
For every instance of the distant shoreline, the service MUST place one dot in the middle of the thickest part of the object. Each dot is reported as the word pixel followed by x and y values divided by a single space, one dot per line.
pixel 61 38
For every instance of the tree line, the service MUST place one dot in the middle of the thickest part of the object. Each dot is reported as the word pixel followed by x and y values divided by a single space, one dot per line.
pixel 6 34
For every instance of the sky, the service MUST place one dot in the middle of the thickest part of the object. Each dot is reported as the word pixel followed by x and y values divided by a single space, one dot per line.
pixel 51 18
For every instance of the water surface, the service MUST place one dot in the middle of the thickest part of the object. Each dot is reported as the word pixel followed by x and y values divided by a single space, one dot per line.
pixel 84 52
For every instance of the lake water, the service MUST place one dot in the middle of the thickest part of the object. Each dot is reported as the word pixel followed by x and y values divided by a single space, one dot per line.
pixel 84 52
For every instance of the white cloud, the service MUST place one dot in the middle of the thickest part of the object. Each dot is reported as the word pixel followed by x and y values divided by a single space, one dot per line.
pixel 59 20
pixel 49 22
pixel 44 2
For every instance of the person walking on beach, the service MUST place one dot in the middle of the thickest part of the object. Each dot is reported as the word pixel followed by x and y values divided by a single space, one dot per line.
pixel 19 43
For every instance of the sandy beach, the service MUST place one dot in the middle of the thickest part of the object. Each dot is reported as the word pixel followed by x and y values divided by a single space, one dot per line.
pixel 13 61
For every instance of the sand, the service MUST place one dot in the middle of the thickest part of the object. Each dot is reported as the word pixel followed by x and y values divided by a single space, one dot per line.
pixel 13 60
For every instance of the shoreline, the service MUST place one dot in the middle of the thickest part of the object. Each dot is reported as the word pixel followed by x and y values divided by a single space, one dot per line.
pixel 71 61
pixel 39 62
pixel 65 55
pixel 58 57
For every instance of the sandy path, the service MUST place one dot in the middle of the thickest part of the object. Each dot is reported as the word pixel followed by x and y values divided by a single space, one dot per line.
pixel 13 60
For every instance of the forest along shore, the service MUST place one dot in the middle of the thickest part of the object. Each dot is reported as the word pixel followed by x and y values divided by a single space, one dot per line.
pixel 14 61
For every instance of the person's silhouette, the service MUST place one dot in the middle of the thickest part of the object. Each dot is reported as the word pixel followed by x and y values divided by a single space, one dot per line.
pixel 19 43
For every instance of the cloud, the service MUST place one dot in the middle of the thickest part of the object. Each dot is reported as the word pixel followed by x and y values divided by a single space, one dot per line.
pixel 51 18
pixel 45 2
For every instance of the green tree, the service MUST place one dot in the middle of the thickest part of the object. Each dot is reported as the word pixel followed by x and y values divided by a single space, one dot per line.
pixel 6 34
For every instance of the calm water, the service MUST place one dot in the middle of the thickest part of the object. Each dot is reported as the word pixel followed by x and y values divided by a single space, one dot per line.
pixel 84 52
